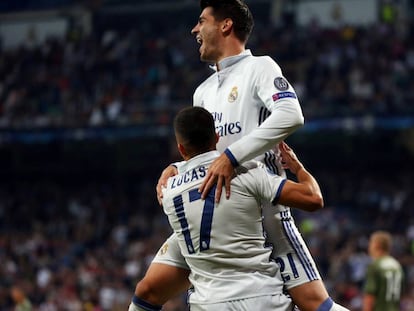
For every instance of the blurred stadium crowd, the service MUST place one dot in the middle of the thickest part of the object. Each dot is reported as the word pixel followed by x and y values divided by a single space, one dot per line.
pixel 82 245
pixel 123 77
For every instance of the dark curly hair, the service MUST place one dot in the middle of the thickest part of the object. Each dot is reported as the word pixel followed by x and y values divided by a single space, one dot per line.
pixel 237 11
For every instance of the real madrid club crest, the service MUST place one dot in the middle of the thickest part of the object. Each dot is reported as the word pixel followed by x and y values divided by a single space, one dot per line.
pixel 164 249
pixel 233 94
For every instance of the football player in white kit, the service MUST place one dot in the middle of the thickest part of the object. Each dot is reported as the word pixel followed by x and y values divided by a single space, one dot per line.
pixel 223 243
pixel 254 108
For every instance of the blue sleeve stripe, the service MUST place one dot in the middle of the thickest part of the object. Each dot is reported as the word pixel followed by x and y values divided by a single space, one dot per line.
pixel 279 191
pixel 231 157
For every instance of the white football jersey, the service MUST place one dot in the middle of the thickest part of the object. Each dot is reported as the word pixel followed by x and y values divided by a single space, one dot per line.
pixel 253 105
pixel 223 243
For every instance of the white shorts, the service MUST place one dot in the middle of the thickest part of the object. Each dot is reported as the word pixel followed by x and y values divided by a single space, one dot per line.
pixel 289 249
pixel 277 302
pixel 170 254
pixel 296 264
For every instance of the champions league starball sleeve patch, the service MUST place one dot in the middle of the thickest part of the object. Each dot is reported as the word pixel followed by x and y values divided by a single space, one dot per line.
pixel 282 95
pixel 281 84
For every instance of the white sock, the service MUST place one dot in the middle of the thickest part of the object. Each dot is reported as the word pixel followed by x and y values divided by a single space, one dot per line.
pixel 336 307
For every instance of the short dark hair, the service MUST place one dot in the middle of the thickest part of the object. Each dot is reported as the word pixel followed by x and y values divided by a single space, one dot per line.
pixel 196 129
pixel 237 10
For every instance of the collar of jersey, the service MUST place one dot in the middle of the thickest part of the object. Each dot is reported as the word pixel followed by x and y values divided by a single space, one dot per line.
pixel 198 160
pixel 231 60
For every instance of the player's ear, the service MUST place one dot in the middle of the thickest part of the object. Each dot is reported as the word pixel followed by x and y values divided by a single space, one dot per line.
pixel 227 25
pixel 217 138
pixel 182 151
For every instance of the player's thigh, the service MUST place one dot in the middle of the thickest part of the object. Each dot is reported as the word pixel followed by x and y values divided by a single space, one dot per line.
pixel 297 267
pixel 167 275
pixel 278 302
pixel 309 296
pixel 162 282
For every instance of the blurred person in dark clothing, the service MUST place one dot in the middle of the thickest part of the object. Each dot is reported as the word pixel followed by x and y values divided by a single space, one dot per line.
pixel 384 279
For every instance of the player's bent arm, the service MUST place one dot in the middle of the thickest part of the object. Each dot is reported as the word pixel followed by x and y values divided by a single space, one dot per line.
pixel 304 194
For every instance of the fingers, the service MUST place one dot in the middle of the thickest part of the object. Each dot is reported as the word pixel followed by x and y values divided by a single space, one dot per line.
pixel 286 146
pixel 220 173
pixel 162 181
pixel 160 185
pixel 227 186
pixel 285 154
pixel 221 182
pixel 204 185
pixel 207 184
pixel 218 189
pixel 159 193
pixel 285 151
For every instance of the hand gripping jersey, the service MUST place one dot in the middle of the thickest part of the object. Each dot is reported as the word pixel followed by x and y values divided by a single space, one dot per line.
pixel 223 244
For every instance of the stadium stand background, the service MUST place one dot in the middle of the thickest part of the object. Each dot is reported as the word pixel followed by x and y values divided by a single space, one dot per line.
pixel 85 130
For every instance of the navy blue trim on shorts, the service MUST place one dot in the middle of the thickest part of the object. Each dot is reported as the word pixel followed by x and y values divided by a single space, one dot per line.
pixel 278 192
pixel 298 248
pixel 270 162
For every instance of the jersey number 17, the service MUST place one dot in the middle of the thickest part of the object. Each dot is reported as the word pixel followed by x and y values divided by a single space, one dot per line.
pixel 206 218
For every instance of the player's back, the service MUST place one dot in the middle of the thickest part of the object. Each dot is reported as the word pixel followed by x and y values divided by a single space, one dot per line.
pixel 223 243
pixel 384 281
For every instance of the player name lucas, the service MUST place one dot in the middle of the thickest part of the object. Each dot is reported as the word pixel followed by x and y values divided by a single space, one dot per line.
pixel 189 176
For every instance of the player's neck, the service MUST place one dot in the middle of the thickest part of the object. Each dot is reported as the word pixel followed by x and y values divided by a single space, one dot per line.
pixel 191 155
pixel 232 50
pixel 379 255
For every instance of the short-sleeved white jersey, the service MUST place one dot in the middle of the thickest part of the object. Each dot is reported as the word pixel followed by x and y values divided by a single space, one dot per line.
pixel 223 243
pixel 253 105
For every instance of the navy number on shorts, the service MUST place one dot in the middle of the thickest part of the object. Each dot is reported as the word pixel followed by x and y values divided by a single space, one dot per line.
pixel 206 218
pixel 282 266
